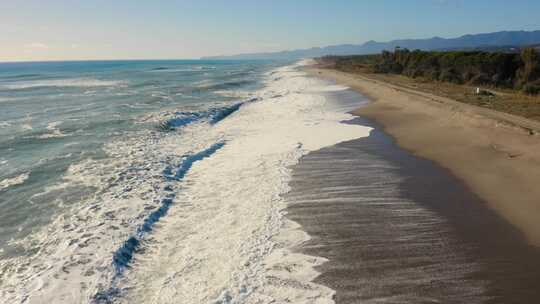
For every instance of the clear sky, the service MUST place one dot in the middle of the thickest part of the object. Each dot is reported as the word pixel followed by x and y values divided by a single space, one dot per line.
pixel 137 29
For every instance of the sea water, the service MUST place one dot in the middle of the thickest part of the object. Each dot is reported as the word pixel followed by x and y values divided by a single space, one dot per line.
pixel 157 181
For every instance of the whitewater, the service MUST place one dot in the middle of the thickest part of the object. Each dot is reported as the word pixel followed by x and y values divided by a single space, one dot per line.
pixel 191 212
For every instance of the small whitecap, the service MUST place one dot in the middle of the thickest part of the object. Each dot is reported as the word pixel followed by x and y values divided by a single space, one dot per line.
pixel 75 82
pixel 17 180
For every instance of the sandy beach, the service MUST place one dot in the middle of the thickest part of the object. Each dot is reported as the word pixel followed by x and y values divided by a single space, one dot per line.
pixel 496 155
pixel 399 228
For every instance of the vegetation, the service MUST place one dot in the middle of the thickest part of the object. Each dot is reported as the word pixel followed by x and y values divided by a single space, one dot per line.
pixel 503 70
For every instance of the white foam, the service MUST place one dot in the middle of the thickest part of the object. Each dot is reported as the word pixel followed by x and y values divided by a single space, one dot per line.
pixel 54 131
pixel 53 125
pixel 329 88
pixel 234 93
pixel 224 239
pixel 74 256
pixel 17 180
pixel 191 69
pixel 226 235
pixel 54 134
pixel 76 82
pixel 12 98
pixel 7 99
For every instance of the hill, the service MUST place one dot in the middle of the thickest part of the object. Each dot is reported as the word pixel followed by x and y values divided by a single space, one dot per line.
pixel 508 39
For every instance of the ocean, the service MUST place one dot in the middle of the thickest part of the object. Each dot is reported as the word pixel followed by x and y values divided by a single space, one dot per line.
pixel 157 181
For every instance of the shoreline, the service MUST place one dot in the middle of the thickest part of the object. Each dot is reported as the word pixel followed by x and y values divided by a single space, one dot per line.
pixel 393 226
pixel 492 153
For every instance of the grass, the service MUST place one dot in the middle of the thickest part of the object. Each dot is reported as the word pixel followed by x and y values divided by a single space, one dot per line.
pixel 508 101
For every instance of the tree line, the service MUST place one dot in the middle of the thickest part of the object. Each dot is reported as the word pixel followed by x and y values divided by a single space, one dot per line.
pixel 520 71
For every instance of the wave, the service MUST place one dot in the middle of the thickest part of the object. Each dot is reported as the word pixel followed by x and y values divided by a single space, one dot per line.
pixel 225 85
pixel 212 116
pixel 27 127
pixel 220 114
pixel 55 133
pixel 33 138
pixel 227 238
pixel 11 99
pixel 123 256
pixel 240 73
pixel 330 88
pixel 233 93
pixel 181 119
pixel 177 70
pixel 128 190
pixel 29 75
pixel 17 180
pixel 53 125
pixel 169 219
pixel 62 83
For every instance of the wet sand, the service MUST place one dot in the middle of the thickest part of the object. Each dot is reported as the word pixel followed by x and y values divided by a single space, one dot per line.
pixel 494 153
pixel 397 228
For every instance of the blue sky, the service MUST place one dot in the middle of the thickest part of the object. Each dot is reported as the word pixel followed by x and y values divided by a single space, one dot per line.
pixel 122 29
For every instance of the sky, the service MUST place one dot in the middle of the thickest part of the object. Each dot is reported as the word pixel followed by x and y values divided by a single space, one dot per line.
pixel 159 29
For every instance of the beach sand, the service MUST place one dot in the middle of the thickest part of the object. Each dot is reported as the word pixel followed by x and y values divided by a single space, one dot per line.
pixel 493 153
pixel 448 219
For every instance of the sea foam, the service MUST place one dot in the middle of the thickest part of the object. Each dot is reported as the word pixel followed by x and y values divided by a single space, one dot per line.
pixel 17 180
pixel 223 237
pixel 77 82
pixel 226 236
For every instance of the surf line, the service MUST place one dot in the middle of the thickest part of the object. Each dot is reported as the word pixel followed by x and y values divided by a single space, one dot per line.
pixel 124 255
pixel 212 115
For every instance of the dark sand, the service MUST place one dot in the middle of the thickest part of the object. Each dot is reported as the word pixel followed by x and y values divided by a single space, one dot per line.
pixel 397 228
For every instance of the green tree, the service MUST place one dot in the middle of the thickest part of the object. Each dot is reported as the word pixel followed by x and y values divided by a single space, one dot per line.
pixel 530 71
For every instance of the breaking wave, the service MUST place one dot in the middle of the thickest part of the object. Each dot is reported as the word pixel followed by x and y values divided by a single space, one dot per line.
pixel 212 116
pixel 225 85
pixel 123 255
pixel 17 180
pixel 62 83
pixel 193 214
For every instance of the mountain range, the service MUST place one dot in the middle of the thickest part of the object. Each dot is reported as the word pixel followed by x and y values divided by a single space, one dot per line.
pixel 485 40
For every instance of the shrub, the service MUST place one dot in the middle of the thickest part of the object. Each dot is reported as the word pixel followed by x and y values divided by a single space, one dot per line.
pixel 531 89
pixel 449 75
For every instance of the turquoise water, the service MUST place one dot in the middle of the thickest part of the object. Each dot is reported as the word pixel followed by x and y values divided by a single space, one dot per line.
pixel 56 115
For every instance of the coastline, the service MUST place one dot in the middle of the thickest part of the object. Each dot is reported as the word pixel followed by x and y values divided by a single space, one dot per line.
pixel 397 228
pixel 494 154
pixel 391 228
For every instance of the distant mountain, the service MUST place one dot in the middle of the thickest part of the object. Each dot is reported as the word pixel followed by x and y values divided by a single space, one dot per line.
pixel 476 41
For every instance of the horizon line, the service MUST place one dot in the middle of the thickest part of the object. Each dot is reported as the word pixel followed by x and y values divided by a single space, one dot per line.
pixel 260 52
pixel 136 59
